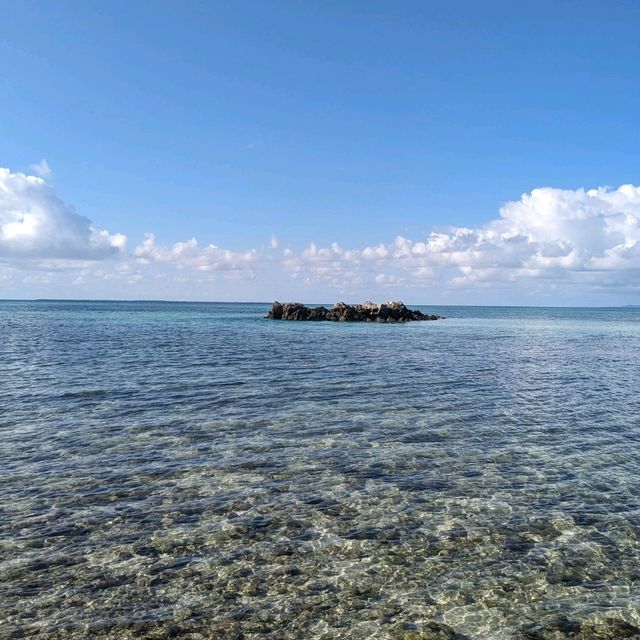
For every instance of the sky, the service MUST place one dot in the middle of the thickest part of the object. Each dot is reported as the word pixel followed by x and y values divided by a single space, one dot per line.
pixel 439 153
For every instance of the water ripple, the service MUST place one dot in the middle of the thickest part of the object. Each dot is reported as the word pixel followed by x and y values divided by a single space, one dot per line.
pixel 193 470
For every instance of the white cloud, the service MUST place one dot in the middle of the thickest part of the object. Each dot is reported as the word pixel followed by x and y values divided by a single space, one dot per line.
pixel 42 169
pixel 335 265
pixel 190 255
pixel 588 238
pixel 36 224
pixel 387 279
pixel 549 233
pixel 547 241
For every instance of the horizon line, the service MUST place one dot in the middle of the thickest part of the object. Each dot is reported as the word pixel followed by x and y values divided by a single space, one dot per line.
pixel 420 304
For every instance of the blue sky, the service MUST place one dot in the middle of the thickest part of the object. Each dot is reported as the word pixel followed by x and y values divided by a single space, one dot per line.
pixel 334 122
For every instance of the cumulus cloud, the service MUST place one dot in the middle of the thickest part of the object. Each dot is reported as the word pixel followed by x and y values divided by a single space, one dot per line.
pixel 572 236
pixel 191 255
pixel 36 224
pixel 390 280
pixel 335 265
pixel 585 239
pixel 550 231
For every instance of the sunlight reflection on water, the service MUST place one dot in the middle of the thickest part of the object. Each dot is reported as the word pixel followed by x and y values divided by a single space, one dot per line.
pixel 195 469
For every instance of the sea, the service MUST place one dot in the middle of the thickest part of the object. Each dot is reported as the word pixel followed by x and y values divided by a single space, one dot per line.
pixel 194 470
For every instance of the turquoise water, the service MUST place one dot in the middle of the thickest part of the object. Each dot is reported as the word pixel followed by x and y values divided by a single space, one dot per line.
pixel 194 470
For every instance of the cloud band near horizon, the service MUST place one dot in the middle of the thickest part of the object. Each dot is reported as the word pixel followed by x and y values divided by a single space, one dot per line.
pixel 589 239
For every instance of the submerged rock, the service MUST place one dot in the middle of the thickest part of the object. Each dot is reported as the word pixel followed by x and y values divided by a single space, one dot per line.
pixel 428 631
pixel 342 312
pixel 563 628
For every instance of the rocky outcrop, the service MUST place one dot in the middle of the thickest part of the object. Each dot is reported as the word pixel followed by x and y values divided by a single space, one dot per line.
pixel 342 312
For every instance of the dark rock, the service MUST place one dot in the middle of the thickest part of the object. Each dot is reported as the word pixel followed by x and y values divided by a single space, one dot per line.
pixel 563 628
pixel 609 629
pixel 390 312
pixel 559 629
pixel 428 631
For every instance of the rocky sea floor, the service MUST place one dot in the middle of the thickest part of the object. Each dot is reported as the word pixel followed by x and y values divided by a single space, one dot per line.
pixel 194 471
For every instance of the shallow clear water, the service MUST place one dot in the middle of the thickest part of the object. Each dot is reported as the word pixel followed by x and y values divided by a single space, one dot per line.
pixel 193 470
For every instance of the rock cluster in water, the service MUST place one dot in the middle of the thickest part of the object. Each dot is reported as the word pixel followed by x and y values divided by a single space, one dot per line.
pixel 342 312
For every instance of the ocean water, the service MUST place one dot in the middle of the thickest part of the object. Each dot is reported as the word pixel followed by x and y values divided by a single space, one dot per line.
pixel 197 471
